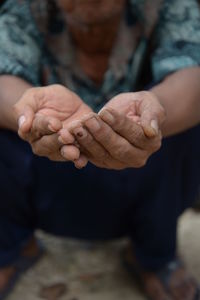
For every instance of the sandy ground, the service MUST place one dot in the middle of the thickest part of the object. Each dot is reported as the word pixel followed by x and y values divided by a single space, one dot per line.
pixel 94 272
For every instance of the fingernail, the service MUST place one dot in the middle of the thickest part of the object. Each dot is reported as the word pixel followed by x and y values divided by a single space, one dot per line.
pixel 21 121
pixel 60 139
pixel 107 116
pixel 51 128
pixel 93 124
pixel 80 132
pixel 154 125
pixel 62 152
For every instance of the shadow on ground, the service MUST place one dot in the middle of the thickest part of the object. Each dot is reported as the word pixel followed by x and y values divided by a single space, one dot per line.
pixel 84 271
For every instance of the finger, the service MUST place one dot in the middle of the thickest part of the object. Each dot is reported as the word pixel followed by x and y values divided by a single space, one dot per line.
pixel 70 152
pixel 125 126
pixel 152 114
pixel 118 147
pixel 65 137
pixel 129 129
pixel 89 145
pixel 81 162
pixel 25 119
pixel 44 125
pixel 92 149
pixel 26 108
pixel 47 145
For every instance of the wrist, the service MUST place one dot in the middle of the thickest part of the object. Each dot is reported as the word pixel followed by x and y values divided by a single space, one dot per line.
pixel 11 90
pixel 7 117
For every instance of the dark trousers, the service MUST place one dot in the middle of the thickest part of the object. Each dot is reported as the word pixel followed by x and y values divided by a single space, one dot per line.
pixel 93 203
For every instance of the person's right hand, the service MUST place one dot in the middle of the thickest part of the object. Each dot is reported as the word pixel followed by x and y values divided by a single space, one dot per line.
pixel 42 112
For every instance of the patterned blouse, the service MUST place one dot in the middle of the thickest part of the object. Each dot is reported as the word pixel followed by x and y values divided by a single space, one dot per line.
pixel 161 34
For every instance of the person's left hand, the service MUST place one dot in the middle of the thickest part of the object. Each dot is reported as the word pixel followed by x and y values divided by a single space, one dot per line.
pixel 124 134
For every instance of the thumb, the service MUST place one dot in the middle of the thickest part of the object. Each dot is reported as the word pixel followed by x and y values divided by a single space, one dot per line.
pixel 152 116
pixel 150 124
pixel 25 119
pixel 26 108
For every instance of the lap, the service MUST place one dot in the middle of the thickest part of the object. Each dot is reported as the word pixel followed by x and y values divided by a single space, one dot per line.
pixel 95 200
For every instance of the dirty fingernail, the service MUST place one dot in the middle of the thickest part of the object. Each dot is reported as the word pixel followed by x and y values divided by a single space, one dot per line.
pixel 80 132
pixel 154 125
pixel 21 121
pixel 93 124
pixel 107 116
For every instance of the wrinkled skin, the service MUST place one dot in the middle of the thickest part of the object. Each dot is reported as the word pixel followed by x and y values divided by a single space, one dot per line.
pixel 42 112
pixel 124 134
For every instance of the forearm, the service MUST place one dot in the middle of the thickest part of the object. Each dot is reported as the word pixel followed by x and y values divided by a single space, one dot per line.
pixel 179 93
pixel 11 90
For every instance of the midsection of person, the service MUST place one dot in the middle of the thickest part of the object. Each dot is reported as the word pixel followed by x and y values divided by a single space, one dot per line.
pixel 93 26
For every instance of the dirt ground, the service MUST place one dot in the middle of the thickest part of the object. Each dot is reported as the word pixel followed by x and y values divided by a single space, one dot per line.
pixel 83 271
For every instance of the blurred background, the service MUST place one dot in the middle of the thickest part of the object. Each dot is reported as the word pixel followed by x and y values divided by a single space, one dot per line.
pixel 75 270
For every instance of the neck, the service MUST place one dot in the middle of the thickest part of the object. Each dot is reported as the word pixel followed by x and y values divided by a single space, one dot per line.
pixel 95 38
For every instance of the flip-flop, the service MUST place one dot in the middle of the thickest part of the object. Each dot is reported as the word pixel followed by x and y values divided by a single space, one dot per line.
pixel 22 265
pixel 163 275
